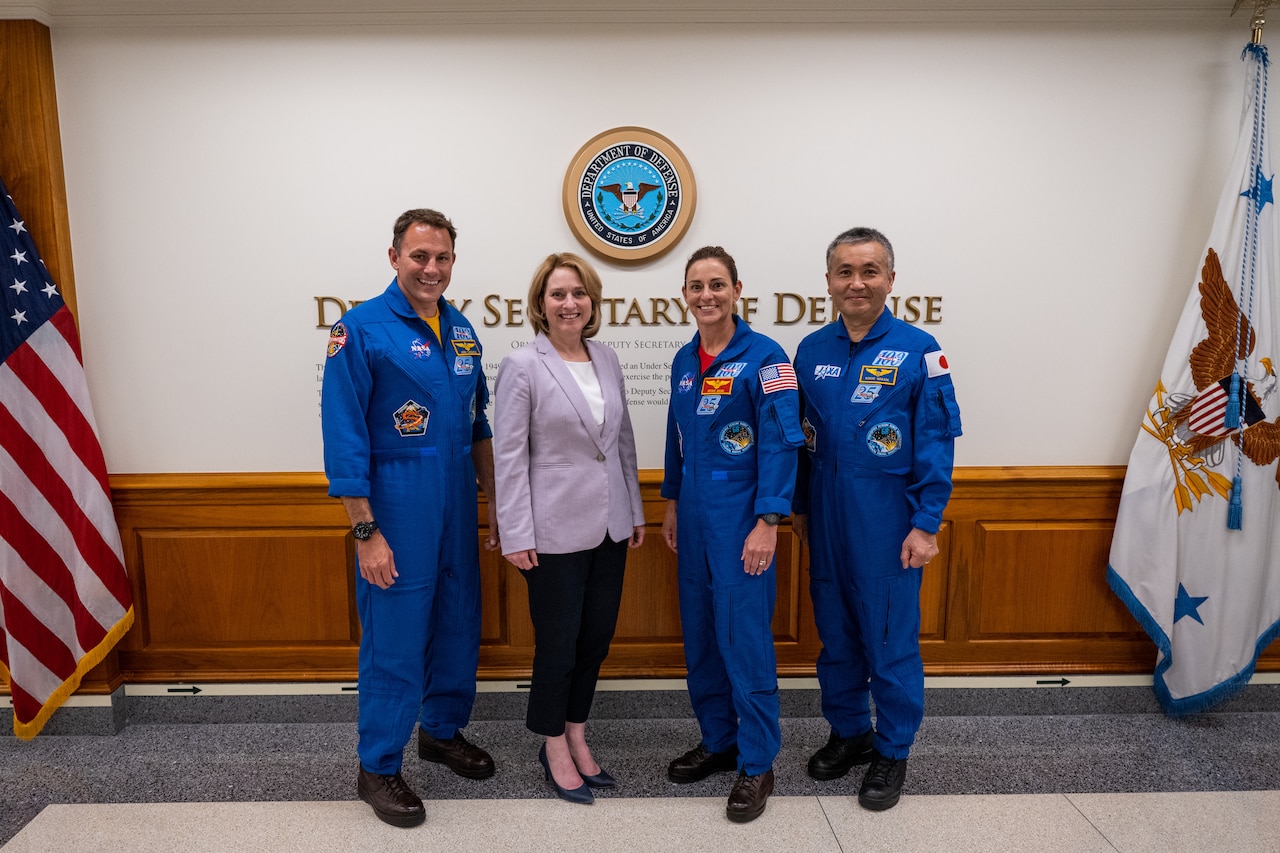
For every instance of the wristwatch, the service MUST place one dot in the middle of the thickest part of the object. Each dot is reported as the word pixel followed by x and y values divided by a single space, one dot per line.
pixel 773 519
pixel 363 530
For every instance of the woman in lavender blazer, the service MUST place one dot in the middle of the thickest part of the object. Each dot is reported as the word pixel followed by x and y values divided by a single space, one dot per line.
pixel 568 496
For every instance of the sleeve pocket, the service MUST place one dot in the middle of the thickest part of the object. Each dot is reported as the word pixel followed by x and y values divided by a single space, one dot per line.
pixel 950 410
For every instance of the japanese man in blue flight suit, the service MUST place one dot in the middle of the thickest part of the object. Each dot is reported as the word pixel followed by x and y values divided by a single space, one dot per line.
pixel 880 421
pixel 733 427
pixel 405 436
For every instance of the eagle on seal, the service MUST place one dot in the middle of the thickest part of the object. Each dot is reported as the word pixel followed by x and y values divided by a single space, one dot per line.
pixel 1200 422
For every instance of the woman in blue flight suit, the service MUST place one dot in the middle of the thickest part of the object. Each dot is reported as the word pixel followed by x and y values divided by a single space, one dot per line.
pixel 732 432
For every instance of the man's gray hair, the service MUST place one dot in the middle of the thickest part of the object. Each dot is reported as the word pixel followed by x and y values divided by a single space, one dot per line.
pixel 856 236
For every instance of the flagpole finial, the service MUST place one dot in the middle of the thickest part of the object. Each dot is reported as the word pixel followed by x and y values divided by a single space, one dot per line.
pixel 1259 18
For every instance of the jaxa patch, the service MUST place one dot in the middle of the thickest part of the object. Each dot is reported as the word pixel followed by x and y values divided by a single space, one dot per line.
pixel 884 439
pixel 411 419
pixel 736 438
pixel 826 371
pixel 337 339
pixel 810 436
pixel 708 405
pixel 865 393
pixel 462 346
pixel 878 375
pixel 686 383
pixel 890 357
pixel 420 348
pixel 733 368
pixel 717 385
pixel 463 365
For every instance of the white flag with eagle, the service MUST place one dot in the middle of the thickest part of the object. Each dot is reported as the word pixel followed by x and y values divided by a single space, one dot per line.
pixel 1196 551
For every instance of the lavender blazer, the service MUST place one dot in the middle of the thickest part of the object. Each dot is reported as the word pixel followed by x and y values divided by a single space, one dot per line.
pixel 562 481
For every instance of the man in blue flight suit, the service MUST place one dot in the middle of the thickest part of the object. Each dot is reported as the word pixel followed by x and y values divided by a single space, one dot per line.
pixel 732 432
pixel 880 421
pixel 405 436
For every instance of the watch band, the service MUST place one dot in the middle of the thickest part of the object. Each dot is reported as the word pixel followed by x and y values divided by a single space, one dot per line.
pixel 773 519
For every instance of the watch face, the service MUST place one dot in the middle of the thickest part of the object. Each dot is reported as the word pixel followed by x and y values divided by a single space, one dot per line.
pixel 363 530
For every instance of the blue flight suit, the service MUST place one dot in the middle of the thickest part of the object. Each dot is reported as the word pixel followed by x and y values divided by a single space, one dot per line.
pixel 730 457
pixel 399 412
pixel 880 420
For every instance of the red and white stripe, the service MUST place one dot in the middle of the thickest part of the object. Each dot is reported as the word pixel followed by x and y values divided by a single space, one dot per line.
pixel 64 595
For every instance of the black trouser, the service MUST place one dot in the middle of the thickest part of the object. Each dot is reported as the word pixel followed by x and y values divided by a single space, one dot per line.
pixel 573 602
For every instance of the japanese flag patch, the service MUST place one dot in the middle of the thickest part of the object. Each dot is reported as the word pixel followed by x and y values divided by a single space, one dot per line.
pixel 937 364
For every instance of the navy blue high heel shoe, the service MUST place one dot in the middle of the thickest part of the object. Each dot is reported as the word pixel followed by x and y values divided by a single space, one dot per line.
pixel 600 780
pixel 581 794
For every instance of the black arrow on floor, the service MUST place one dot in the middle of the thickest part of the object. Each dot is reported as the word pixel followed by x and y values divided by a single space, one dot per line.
pixel 193 690
pixel 1061 682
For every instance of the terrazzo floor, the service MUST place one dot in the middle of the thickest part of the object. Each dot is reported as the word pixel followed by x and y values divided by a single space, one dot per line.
pixel 1038 769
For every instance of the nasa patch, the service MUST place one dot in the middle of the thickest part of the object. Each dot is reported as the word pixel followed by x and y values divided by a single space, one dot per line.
pixel 884 439
pixel 337 339
pixel 686 383
pixel 411 419
pixel 736 438
pixel 420 348
pixel 708 405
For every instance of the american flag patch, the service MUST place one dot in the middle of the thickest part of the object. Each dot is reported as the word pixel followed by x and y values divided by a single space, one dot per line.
pixel 778 377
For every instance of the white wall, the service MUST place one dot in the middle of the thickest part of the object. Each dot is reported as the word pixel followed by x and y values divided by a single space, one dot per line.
pixel 1054 186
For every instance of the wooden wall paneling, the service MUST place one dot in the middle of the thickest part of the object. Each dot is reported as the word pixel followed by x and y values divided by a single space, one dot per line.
pixel 1018 585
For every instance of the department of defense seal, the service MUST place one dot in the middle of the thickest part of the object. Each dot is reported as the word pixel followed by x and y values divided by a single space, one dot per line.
pixel 629 194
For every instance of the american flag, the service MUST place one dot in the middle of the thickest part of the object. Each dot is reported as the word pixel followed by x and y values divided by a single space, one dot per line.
pixel 64 596
pixel 777 377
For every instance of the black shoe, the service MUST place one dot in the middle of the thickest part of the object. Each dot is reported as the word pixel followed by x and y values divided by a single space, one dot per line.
pixel 882 786
pixel 749 795
pixel 600 780
pixel 699 763
pixel 581 794
pixel 456 753
pixel 841 753
pixel 391 798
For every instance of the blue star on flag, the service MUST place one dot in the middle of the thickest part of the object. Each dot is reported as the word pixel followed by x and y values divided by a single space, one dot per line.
pixel 1260 192
pixel 1187 604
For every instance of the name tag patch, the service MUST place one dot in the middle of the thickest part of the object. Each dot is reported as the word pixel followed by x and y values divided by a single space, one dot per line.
pixel 878 375
pixel 464 347
pixel 717 385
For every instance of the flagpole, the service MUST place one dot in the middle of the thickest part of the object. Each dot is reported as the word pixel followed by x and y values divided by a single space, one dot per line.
pixel 1259 20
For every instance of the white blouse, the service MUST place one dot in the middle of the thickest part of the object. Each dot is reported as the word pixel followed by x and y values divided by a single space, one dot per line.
pixel 585 373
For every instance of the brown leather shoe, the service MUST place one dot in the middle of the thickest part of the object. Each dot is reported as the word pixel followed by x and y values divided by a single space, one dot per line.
pixel 457 753
pixel 699 763
pixel 749 795
pixel 391 799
